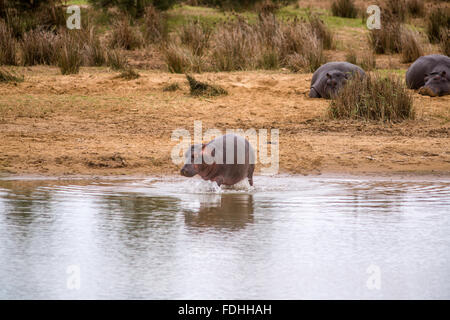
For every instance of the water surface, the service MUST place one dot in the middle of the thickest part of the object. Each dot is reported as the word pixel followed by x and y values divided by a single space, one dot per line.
pixel 287 238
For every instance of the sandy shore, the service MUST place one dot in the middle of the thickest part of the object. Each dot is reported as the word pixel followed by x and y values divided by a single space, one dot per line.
pixel 93 124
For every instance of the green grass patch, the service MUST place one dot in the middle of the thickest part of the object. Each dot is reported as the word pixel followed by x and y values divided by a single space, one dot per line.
pixel 76 2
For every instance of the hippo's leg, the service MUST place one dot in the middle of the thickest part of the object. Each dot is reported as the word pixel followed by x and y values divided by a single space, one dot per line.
pixel 250 174
pixel 219 181
pixel 313 93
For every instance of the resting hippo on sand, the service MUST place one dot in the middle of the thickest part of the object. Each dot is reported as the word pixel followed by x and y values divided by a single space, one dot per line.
pixel 430 74
pixel 226 160
pixel 330 77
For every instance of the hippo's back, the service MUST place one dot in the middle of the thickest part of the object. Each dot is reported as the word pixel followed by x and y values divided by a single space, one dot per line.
pixel 338 66
pixel 426 64
pixel 238 143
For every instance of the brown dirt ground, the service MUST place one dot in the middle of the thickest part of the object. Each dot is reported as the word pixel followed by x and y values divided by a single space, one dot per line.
pixel 92 123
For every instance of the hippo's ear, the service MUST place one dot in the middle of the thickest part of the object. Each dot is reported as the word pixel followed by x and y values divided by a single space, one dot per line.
pixel 207 150
pixel 328 75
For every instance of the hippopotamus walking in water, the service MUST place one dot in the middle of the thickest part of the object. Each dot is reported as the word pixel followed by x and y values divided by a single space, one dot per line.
pixel 430 74
pixel 226 160
pixel 330 77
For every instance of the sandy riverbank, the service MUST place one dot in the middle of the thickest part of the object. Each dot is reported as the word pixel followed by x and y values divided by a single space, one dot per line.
pixel 93 124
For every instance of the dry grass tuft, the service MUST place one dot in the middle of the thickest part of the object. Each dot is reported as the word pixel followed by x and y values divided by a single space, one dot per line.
pixel 69 55
pixel 180 59
pixel 387 39
pixel 366 61
pixel 373 98
pixel 238 45
pixel 123 36
pixel 410 45
pixel 116 60
pixel 204 89
pixel 7 76
pixel 128 74
pixel 171 87
pixel 93 50
pixel 445 42
pixel 8 45
pixel 416 8
pixel 437 21
pixel 322 32
pixel 195 35
pixel 155 25
pixel 38 47
pixel 344 8
pixel 267 7
pixel 394 10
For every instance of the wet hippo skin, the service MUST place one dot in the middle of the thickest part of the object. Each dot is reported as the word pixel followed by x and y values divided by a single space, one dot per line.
pixel 211 163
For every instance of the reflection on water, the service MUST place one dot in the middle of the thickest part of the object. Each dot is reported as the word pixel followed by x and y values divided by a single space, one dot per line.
pixel 287 238
pixel 232 211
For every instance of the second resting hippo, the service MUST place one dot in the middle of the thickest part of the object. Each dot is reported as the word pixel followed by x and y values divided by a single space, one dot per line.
pixel 330 77
pixel 430 74
pixel 226 160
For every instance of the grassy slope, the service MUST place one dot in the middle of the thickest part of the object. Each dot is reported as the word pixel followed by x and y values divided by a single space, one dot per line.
pixel 181 13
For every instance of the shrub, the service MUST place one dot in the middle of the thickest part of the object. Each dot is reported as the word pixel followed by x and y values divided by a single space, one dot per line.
pixel 269 60
pixel 128 74
pixel 301 48
pixel 344 8
pixel 387 39
pixel 6 76
pixel 366 60
pixel 204 89
pixel 171 87
pixel 8 45
pixel 309 59
pixel 69 55
pixel 155 25
pixel 437 19
pixel 235 46
pixel 416 8
pixel 239 45
pixel 410 46
pixel 351 57
pixel 93 50
pixel 181 60
pixel 268 44
pixel 373 98
pixel 445 42
pixel 195 35
pixel 393 10
pixel 24 15
pixel 267 7
pixel 123 36
pixel 322 32
pixel 116 60
pixel 38 47
pixel 133 7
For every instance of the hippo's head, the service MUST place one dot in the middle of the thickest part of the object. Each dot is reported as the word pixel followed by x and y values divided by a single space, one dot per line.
pixel 436 84
pixel 335 81
pixel 193 160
